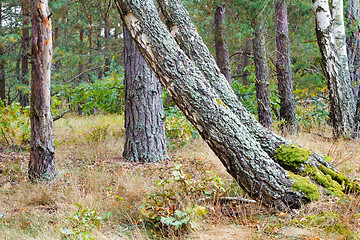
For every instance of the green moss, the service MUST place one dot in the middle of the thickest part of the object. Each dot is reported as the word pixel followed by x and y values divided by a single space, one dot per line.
pixel 303 184
pixel 292 155
pixel 331 186
pixel 220 102
pixel 343 181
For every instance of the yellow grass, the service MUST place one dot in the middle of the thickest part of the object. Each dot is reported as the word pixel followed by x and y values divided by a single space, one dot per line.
pixel 93 173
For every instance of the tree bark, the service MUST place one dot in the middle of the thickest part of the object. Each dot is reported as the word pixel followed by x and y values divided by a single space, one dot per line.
pixel 353 49
pixel 221 47
pixel 262 76
pixel 25 42
pixel 246 62
pixel 2 66
pixel 144 115
pixel 107 38
pixel 187 37
pixel 42 164
pixel 283 67
pixel 330 32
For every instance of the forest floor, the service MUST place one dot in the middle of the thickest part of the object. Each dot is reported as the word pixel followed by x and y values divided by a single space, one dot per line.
pixel 93 175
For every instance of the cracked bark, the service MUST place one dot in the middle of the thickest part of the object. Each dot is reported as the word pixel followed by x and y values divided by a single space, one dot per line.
pixel 262 75
pixel 41 164
pixel 221 47
pixel 283 68
pixel 144 115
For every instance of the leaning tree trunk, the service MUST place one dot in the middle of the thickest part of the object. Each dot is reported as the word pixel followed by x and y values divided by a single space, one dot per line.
pixel 213 108
pixel 41 165
pixel 144 115
pixel 192 44
pixel 2 65
pixel 330 32
pixel 283 68
pixel 221 47
pixel 25 41
pixel 262 76
pixel 353 49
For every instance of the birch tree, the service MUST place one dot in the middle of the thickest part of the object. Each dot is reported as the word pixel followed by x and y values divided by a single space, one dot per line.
pixel 330 32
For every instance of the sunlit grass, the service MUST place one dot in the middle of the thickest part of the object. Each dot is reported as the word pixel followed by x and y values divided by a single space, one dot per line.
pixel 93 173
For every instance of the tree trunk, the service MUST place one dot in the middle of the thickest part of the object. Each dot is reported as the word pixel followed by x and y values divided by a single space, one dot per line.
pixel 107 38
pixel 262 76
pixel 81 64
pixel 41 165
pixel 330 32
pixel 246 62
pixel 283 67
pixel 222 52
pixel 144 114
pixel 191 43
pixel 2 66
pixel 205 97
pixel 353 49
pixel 25 41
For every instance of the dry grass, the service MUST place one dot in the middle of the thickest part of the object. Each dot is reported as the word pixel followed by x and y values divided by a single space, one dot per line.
pixel 93 174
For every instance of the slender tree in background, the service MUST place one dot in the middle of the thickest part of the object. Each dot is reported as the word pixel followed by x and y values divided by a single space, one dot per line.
pixel 245 62
pixel 186 69
pixel 107 38
pixel 262 75
pixel 283 68
pixel 353 50
pixel 330 32
pixel 25 41
pixel 144 115
pixel 2 63
pixel 41 165
pixel 222 52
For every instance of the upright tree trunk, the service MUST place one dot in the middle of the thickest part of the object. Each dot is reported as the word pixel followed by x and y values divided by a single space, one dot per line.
pixel 353 49
pixel 283 67
pixel 222 52
pixel 246 61
pixel 2 66
pixel 81 64
pixel 330 32
pixel 107 38
pixel 144 114
pixel 25 42
pixel 41 165
pixel 262 76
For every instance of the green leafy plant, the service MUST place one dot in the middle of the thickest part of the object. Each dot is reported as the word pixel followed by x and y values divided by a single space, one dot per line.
pixel 178 129
pixel 14 124
pixel 174 205
pixel 82 223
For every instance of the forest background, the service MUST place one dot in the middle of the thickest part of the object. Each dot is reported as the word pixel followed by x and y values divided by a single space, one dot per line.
pixel 87 80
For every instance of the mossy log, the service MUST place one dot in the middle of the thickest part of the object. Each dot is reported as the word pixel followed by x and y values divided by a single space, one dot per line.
pixel 253 155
